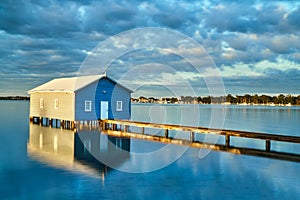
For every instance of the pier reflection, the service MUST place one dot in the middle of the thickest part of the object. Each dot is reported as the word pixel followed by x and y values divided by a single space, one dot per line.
pixel 81 151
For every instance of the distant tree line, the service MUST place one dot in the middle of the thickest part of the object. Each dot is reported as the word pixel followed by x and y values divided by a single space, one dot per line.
pixel 264 99
pixel 237 99
pixel 14 98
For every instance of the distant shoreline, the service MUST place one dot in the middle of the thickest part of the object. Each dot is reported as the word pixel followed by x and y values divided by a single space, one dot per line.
pixel 15 98
pixel 224 104
pixel 247 99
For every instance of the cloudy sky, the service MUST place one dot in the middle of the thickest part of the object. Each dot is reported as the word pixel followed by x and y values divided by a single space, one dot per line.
pixel 255 45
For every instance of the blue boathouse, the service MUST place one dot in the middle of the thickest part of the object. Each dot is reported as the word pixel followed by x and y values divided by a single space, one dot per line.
pixel 80 98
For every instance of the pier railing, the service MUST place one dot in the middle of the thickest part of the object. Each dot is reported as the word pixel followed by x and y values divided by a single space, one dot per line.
pixel 110 127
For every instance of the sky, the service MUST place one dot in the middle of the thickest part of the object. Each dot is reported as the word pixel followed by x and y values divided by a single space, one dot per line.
pixel 254 45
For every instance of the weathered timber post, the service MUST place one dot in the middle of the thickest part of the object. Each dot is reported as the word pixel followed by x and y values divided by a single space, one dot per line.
pixel 143 130
pixel 126 128
pixel 166 133
pixel 62 124
pixel 192 137
pixel 268 145
pixel 72 125
pixel 114 127
pixel 227 140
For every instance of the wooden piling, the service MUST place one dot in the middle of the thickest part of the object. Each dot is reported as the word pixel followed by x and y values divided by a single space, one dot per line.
pixel 143 130
pixel 126 128
pixel 268 145
pixel 192 137
pixel 114 127
pixel 227 142
pixel 62 123
pixel 166 133
pixel 72 125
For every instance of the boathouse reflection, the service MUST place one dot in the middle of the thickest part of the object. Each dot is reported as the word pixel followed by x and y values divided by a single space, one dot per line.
pixel 84 151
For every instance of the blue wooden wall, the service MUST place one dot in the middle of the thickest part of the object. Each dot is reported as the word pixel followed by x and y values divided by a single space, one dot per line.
pixel 104 90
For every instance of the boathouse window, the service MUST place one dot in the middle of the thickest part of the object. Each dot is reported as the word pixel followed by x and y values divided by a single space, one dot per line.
pixel 41 103
pixel 119 105
pixel 87 106
pixel 56 103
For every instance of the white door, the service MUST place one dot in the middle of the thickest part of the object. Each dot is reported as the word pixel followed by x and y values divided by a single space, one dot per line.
pixel 104 110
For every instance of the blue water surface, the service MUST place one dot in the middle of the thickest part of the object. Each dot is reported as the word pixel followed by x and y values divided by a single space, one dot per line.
pixel 219 175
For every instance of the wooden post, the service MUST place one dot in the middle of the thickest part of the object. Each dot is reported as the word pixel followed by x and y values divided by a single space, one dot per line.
pixel 72 125
pixel 192 137
pixel 50 123
pixel 166 133
pixel 101 124
pixel 126 128
pixel 227 140
pixel 268 145
pixel 143 130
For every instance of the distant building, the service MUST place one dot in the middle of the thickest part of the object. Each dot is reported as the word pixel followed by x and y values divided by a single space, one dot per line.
pixel 81 98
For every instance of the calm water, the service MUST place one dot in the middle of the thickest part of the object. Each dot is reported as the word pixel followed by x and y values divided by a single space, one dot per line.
pixel 26 173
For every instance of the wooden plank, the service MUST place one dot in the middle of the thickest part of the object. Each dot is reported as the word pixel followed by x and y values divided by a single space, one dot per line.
pixel 235 133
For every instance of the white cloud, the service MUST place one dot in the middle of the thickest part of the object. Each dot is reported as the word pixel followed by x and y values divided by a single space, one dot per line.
pixel 258 69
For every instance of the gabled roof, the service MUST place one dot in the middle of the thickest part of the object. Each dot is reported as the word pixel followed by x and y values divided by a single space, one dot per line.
pixel 71 84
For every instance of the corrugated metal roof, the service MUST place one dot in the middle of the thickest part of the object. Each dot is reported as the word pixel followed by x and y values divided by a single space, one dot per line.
pixel 71 84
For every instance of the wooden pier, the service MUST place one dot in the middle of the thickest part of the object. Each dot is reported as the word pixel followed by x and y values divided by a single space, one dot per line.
pixel 123 128
pixel 110 127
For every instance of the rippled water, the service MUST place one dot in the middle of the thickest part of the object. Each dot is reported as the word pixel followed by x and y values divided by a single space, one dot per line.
pixel 29 174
